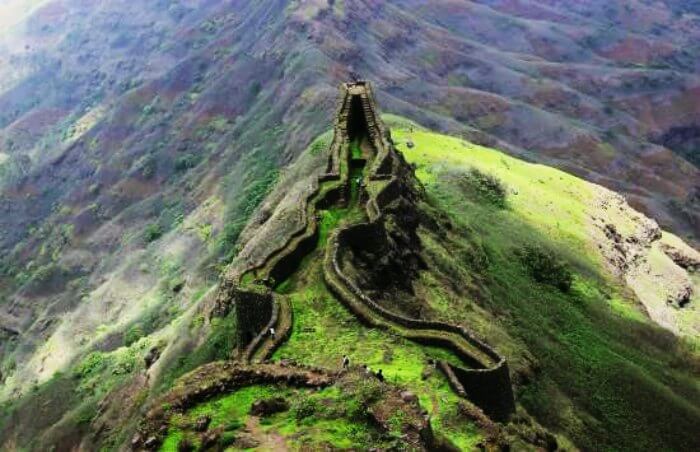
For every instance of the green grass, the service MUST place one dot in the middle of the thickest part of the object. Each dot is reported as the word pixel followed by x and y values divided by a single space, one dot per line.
pixel 610 379
pixel 548 200
pixel 319 318
pixel 325 418
pixel 355 150
pixel 329 221
pixel 172 440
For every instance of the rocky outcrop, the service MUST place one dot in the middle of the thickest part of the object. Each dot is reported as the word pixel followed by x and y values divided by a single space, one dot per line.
pixel 658 267
pixel 685 257
pixel 267 407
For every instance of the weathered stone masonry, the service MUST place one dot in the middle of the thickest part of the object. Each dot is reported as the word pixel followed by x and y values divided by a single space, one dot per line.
pixel 485 380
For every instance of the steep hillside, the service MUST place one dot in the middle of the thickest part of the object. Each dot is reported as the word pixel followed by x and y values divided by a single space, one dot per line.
pixel 351 251
pixel 147 149
pixel 560 282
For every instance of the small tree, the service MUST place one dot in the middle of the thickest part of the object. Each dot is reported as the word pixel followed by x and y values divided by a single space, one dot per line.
pixel 486 186
pixel 153 232
pixel 546 268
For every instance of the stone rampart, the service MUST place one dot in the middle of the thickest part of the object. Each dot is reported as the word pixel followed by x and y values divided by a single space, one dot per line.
pixel 211 380
pixel 487 381
pixel 253 308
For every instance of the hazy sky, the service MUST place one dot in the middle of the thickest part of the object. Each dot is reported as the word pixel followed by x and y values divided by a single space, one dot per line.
pixel 12 11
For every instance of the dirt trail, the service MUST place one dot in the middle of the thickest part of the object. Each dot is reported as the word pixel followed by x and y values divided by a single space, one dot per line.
pixel 262 440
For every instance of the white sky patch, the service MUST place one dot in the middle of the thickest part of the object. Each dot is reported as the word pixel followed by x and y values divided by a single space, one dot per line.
pixel 12 12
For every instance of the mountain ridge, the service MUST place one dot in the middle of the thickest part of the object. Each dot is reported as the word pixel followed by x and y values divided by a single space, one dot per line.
pixel 145 147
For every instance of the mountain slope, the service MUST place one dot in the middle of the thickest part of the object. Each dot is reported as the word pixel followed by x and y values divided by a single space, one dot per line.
pixel 137 140
pixel 588 340
pixel 602 334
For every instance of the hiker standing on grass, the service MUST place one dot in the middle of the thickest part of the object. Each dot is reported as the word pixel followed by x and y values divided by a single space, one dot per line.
pixel 379 375
pixel 366 369
pixel 346 361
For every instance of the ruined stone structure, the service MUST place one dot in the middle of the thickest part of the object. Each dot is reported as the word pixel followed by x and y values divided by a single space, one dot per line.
pixel 382 180
pixel 213 379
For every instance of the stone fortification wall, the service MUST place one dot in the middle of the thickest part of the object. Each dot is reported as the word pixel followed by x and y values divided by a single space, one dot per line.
pixel 486 380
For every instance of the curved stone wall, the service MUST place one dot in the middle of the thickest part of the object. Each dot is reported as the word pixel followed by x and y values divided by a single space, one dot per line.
pixel 486 380
pixel 486 383
pixel 217 378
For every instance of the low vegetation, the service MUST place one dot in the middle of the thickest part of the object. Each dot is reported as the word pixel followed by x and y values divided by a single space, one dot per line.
pixel 606 375
pixel 486 186
pixel 331 417
pixel 546 267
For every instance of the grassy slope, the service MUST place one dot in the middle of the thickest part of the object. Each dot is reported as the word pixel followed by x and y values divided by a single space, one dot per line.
pixel 607 374
pixel 610 379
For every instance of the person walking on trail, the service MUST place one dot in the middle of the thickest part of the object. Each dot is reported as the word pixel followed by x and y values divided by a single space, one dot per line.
pixel 272 332
pixel 366 369
pixel 346 361
pixel 379 375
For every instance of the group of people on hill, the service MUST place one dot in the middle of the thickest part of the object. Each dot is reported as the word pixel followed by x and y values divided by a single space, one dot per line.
pixel 379 375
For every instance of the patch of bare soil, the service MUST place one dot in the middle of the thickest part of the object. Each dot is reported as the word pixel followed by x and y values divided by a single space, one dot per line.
pixel 254 436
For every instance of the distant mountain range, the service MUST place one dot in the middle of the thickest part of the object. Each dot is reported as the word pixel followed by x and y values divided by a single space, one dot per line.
pixel 142 143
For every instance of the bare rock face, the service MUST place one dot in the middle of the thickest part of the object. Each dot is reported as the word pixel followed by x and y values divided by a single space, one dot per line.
pixel 681 297
pixel 246 441
pixel 267 407
pixel 686 258
pixel 210 438
pixel 658 267
pixel 152 356
pixel 409 397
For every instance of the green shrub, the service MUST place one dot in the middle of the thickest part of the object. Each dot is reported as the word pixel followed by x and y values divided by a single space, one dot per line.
pixel 94 362
pixel 545 267
pixel 227 439
pixel 235 424
pixel 146 165
pixel 185 162
pixel 133 334
pixel 153 232
pixel 304 408
pixel 368 391
pixel 86 414
pixel 486 186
